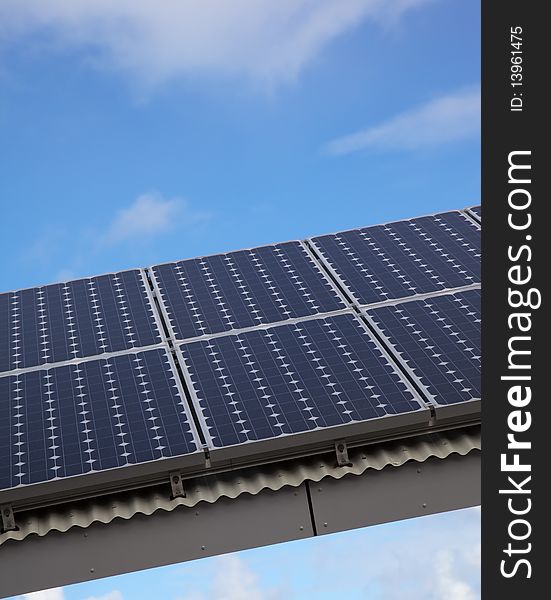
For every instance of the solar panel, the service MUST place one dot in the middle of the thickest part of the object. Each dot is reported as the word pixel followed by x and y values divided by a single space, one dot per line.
pixel 404 258
pixel 287 379
pixel 91 416
pixel 476 211
pixel 243 289
pixel 438 340
pixel 77 319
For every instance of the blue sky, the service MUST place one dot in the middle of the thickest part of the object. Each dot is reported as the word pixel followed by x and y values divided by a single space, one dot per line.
pixel 131 135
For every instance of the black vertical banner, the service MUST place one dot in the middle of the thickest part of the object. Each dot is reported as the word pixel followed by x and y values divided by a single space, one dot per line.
pixel 516 236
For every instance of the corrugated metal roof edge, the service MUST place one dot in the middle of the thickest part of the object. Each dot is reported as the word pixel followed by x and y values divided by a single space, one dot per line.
pixel 231 484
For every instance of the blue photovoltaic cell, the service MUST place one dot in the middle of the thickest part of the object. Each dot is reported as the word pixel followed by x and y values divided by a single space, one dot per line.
pixel 293 378
pixel 405 258
pixel 439 339
pixel 243 289
pixel 90 416
pixel 77 319
pixel 477 211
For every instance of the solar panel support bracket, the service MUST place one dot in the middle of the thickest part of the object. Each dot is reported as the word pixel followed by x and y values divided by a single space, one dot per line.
pixel 341 451
pixel 208 463
pixel 8 518
pixel 176 485
pixel 432 420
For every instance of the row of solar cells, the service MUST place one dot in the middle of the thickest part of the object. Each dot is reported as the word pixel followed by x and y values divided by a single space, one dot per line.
pixel 258 378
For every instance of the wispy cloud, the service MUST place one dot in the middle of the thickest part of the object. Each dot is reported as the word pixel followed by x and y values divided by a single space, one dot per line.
pixel 447 584
pixel 52 594
pixel 263 40
pixel 446 119
pixel 234 580
pixel 139 231
pixel 151 215
pixel 44 246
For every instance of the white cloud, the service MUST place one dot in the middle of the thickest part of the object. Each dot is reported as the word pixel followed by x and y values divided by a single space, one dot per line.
pixel 446 119
pixel 139 231
pixel 446 583
pixel 473 556
pixel 52 594
pixel 234 580
pixel 151 215
pixel 264 40
pixel 43 247
pixel 114 595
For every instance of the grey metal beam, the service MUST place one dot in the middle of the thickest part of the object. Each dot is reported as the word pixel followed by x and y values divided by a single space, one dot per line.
pixel 412 490
pixel 163 538
pixel 247 521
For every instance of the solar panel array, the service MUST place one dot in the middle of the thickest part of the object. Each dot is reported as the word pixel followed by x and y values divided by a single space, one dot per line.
pixel 76 396
pixel 365 326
